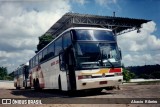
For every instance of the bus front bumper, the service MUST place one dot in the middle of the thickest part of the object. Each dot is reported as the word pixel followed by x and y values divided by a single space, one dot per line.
pixel 99 82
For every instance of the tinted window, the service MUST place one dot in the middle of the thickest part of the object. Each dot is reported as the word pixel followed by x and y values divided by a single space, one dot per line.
pixel 20 71
pixel 58 46
pixel 94 35
pixel 51 50
pixel 36 59
pixel 66 40
pixel 40 56
pixel 30 65
pixel 15 73
pixel 44 54
pixel 32 62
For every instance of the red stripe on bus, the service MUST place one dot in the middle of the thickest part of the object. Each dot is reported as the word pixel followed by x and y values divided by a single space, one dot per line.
pixel 114 70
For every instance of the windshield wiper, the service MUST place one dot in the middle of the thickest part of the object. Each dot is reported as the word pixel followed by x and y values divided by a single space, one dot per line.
pixel 110 63
pixel 101 62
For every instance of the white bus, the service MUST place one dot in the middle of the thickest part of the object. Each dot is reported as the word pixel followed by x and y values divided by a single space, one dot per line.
pixel 80 58
pixel 21 75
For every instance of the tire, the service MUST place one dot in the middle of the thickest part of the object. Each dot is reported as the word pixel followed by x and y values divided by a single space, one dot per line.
pixel 59 83
pixel 34 84
pixel 37 85
pixel 26 86
pixel 17 88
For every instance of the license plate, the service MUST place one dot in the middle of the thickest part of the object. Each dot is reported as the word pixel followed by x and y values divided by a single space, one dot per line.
pixel 103 82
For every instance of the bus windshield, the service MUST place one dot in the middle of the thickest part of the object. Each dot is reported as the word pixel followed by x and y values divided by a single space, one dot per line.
pixel 93 35
pixel 91 55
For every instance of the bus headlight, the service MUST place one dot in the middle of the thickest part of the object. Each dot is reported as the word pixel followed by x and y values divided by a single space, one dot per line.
pixel 118 74
pixel 84 76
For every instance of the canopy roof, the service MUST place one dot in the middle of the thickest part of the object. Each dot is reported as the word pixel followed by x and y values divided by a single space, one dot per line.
pixel 119 25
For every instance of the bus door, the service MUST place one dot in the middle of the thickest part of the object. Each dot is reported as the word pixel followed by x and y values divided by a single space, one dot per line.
pixel 68 65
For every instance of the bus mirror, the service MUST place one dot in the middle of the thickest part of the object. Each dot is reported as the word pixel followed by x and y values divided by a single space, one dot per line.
pixel 62 64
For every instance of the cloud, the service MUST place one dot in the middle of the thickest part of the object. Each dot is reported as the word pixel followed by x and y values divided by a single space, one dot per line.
pixel 140 48
pixel 106 2
pixel 82 2
pixel 21 23
pixel 110 5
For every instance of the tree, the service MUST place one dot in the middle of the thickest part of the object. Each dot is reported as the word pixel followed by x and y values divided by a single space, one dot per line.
pixel 43 41
pixel 127 75
pixel 3 73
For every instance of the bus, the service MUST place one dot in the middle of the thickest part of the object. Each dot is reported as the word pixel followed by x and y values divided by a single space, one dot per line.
pixel 80 58
pixel 21 75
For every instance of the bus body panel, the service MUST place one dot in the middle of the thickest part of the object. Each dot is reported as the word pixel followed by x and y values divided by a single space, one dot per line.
pixel 64 81
pixel 48 74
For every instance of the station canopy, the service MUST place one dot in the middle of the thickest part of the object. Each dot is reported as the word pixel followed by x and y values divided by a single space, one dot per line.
pixel 119 25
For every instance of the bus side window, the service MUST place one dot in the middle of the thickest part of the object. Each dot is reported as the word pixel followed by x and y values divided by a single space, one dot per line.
pixel 66 40
pixel 58 46
pixel 51 50
pixel 40 57
pixel 26 72
pixel 19 72
pixel 30 64
pixel 34 61
pixel 44 54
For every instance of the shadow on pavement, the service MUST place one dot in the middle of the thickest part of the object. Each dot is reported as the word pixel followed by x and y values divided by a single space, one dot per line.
pixel 30 93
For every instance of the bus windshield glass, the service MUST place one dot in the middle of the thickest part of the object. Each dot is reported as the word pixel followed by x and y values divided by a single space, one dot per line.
pixel 94 35
pixel 96 55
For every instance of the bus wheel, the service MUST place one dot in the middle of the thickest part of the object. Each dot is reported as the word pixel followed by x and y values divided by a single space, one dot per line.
pixel 17 88
pixel 36 85
pixel 59 83
pixel 26 86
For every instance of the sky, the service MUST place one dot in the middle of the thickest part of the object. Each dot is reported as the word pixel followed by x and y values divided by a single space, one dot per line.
pixel 23 21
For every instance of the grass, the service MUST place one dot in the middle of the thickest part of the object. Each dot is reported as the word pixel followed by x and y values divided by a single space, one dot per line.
pixel 149 83
pixel 145 82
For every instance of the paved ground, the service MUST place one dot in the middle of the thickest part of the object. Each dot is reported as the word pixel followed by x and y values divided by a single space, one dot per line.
pixel 127 91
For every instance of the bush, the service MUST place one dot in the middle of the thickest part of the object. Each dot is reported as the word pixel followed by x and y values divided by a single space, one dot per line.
pixel 127 75
pixel 3 73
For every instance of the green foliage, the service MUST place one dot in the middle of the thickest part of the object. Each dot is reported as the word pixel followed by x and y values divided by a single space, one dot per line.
pixel 146 71
pixel 8 77
pixel 3 73
pixel 43 41
pixel 145 76
pixel 11 76
pixel 127 75
pixel 156 75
